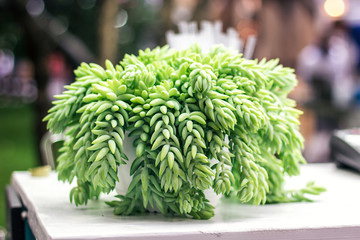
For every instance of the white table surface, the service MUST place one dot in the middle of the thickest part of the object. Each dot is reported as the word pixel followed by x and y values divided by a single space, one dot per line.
pixel 334 214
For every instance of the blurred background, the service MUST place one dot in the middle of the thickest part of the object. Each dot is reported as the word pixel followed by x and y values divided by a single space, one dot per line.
pixel 42 41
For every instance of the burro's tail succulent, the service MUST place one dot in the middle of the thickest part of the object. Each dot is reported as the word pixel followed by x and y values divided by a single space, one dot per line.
pixel 200 121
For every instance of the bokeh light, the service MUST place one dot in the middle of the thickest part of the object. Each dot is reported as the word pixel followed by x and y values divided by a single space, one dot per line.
pixel 86 4
pixel 121 18
pixel 35 7
pixel 335 8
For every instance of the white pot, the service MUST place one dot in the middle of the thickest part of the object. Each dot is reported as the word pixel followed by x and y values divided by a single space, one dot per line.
pixel 124 169
pixel 125 178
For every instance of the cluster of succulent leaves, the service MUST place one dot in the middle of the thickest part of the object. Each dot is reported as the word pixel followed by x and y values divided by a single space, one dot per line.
pixel 200 121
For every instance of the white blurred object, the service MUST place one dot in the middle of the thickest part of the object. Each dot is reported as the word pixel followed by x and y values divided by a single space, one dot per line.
pixel 2 233
pixel 210 34
pixel 46 143
pixel 6 62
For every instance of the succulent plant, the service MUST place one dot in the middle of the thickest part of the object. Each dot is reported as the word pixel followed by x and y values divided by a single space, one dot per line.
pixel 200 120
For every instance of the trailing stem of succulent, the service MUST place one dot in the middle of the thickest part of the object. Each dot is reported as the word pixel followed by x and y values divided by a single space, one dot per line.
pixel 200 121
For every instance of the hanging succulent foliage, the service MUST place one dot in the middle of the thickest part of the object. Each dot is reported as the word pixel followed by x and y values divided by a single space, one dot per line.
pixel 200 121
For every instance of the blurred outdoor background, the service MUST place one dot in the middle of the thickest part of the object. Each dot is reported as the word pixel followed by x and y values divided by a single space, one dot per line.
pixel 42 41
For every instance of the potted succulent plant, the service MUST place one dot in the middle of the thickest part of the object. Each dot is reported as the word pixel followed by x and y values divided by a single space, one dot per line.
pixel 197 121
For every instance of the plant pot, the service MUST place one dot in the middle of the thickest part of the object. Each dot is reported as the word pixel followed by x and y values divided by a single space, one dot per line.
pixel 124 169
pixel 125 178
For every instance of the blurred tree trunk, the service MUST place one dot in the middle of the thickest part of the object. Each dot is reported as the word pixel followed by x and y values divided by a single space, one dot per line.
pixel 285 28
pixel 107 33
pixel 167 23
pixel 227 15
pixel 39 45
